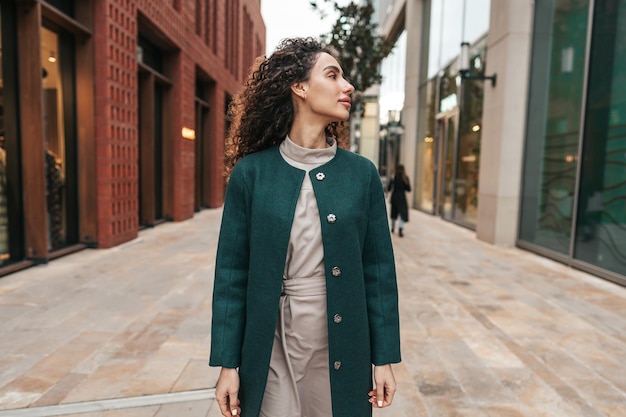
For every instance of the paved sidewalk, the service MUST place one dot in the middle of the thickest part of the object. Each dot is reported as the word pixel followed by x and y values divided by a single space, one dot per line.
pixel 487 331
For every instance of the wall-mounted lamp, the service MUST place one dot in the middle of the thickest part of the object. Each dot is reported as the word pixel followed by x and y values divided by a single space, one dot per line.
pixel 464 68
pixel 52 58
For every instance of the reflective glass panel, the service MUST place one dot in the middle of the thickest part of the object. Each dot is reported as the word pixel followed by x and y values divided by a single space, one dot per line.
pixel 452 22
pixel 4 202
pixel 553 125
pixel 468 154
pixel 54 135
pixel 446 168
pixel 601 219
pixel 426 148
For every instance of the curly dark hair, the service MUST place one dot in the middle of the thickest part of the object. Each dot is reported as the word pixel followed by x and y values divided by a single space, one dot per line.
pixel 262 113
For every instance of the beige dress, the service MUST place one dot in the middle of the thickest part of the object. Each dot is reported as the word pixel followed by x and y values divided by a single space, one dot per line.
pixel 298 383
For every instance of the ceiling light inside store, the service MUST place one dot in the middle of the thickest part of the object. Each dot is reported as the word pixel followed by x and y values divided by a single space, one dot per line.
pixel 475 128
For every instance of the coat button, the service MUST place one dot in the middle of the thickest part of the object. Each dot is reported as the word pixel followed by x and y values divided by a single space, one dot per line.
pixel 337 318
pixel 336 271
pixel 337 365
pixel 331 218
pixel 320 176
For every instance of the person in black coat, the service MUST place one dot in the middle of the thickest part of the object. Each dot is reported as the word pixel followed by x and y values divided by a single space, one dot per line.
pixel 398 186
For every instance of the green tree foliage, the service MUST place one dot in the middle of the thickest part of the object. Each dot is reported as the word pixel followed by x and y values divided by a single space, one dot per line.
pixel 355 37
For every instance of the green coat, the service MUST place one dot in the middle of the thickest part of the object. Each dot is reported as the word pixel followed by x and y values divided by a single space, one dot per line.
pixel 361 285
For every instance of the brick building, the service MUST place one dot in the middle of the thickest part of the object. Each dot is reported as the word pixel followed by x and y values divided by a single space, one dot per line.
pixel 112 116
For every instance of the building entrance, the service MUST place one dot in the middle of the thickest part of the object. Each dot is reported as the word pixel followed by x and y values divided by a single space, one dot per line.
pixel 443 162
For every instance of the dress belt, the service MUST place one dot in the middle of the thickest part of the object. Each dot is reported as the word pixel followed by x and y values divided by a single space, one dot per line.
pixel 301 287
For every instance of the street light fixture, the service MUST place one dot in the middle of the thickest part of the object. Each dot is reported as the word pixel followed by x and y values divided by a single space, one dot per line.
pixel 464 68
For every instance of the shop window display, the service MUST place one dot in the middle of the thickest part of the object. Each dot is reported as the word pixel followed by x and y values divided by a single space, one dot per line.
pixel 54 139
pixel 4 212
pixel 426 147
pixel 468 153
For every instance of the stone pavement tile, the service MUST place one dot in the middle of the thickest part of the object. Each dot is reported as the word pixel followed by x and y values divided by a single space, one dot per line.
pixel 106 382
pixel 46 373
pixel 13 366
pixel 186 409
pixel 23 394
pixel 407 401
pixel 160 372
pixel 214 411
pixel 505 411
pixel 556 358
pixel 614 375
pixel 532 395
pixel 476 380
pixel 196 373
pixel 152 336
pixel 445 407
pixel 60 390
pixel 611 410
pixel 596 390
pixel 491 352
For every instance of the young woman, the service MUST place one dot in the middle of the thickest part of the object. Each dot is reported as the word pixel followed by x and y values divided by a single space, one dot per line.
pixel 305 295
pixel 399 206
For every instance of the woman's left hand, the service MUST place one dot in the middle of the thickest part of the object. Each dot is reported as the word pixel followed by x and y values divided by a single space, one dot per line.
pixel 384 388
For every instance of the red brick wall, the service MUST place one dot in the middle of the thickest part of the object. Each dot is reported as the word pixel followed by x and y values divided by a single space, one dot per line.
pixel 203 47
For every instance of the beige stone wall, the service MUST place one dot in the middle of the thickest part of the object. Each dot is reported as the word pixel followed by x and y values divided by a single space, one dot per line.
pixel 504 118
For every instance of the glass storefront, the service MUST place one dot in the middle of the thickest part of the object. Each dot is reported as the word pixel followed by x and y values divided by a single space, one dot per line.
pixel 601 221
pixel 4 198
pixel 59 138
pixel 11 234
pixel 449 142
pixel 468 151
pixel 445 138
pixel 574 182
pixel 425 198
pixel 450 115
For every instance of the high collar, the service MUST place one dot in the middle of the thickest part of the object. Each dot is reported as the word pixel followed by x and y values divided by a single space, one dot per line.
pixel 308 156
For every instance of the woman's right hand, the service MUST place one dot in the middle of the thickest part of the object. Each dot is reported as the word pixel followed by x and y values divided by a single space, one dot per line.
pixel 227 392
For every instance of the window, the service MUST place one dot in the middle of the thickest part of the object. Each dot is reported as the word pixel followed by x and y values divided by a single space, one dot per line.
pixel 553 127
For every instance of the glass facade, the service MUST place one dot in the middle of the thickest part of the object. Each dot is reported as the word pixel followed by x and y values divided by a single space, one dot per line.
pixel 574 182
pixel 468 150
pixel 453 22
pixel 450 110
pixel 425 198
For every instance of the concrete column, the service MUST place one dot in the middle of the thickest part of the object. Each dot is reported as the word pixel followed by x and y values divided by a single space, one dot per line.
pixel 504 119
pixel 413 27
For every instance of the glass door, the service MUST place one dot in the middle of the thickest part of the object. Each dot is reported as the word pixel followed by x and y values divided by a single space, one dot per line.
pixel 445 138
pixel 60 147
